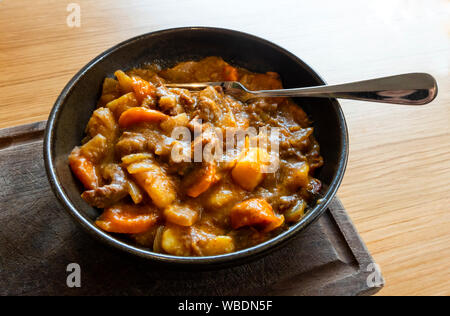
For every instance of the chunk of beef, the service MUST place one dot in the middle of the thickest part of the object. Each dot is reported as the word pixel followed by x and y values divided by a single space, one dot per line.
pixel 109 194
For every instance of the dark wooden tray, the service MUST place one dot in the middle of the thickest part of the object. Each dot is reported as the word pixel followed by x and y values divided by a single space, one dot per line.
pixel 38 240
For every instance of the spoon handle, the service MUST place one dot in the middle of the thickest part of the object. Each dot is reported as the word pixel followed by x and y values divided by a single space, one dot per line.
pixel 408 89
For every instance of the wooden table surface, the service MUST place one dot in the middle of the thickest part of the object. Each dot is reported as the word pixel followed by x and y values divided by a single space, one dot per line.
pixel 397 184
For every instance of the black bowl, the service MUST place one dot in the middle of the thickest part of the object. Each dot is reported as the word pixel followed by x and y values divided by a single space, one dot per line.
pixel 74 106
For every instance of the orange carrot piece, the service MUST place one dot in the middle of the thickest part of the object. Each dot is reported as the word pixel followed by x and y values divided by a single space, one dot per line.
pixel 230 73
pixel 127 219
pixel 255 212
pixel 142 88
pixel 139 115
pixel 83 169
pixel 276 222
pixel 199 180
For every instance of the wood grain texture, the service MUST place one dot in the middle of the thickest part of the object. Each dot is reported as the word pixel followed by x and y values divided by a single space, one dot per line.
pixel 396 187
pixel 328 258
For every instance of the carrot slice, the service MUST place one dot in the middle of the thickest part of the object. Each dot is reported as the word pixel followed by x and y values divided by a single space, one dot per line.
pixel 139 115
pixel 127 219
pixel 83 169
pixel 255 212
pixel 199 180
pixel 142 88
pixel 276 222
pixel 230 73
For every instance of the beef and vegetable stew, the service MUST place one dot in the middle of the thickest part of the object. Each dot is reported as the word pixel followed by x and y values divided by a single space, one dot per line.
pixel 145 162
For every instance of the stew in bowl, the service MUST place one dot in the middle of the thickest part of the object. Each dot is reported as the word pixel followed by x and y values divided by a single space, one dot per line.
pixel 196 173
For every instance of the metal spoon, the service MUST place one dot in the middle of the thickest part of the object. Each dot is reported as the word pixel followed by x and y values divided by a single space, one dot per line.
pixel 408 89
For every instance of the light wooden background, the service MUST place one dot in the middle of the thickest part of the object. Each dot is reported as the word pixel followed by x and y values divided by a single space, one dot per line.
pixel 397 184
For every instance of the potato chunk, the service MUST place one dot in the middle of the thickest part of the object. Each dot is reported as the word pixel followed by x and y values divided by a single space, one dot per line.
pixel 136 158
pixel 120 105
pixel 154 181
pixel 222 195
pixel 181 215
pixel 218 245
pixel 95 149
pixel 135 192
pixel 125 81
pixel 249 170
pixel 102 122
pixel 167 102
pixel 255 212
pixel 180 120
pixel 176 241
pixel 299 176
pixel 207 243
pixel 110 91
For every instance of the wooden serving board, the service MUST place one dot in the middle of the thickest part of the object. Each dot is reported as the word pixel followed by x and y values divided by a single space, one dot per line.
pixel 38 239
